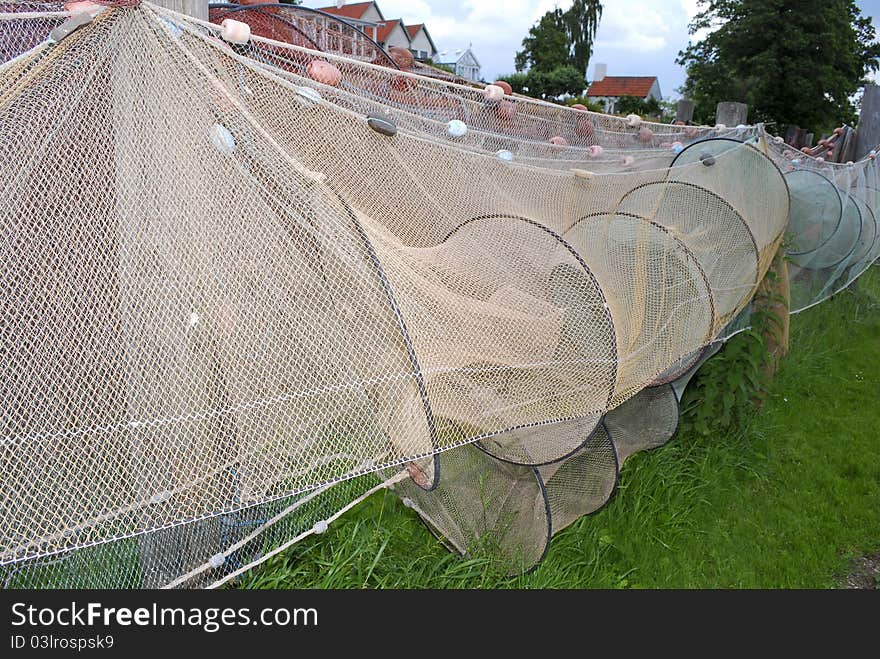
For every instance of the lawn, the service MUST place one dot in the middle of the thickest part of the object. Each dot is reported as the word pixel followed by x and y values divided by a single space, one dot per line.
pixel 787 501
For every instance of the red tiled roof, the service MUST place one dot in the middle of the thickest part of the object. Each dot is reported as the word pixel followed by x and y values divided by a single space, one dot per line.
pixel 355 10
pixel 638 86
pixel 414 30
pixel 383 31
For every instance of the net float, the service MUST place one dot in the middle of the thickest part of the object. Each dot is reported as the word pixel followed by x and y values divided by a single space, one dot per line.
pixel 493 93
pixel 402 57
pixel 324 72
pixel 508 90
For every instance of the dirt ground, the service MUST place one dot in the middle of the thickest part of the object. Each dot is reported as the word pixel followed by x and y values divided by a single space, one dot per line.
pixel 865 573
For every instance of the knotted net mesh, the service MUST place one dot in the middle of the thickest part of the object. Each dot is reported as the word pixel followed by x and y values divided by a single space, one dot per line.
pixel 247 282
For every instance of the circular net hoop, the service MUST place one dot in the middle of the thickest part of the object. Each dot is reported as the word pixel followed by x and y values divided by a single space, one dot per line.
pixel 730 168
pixel 541 445
pixel 582 483
pixel 718 237
pixel 816 212
pixel 647 420
pixel 533 355
pixel 483 504
pixel 662 308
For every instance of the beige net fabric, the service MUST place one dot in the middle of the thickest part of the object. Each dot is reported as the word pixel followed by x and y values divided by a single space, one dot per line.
pixel 234 285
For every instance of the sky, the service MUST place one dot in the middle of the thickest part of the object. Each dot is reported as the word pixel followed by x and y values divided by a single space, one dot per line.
pixel 635 37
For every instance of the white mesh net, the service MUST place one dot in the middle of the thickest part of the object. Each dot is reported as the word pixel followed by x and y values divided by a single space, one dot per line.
pixel 245 284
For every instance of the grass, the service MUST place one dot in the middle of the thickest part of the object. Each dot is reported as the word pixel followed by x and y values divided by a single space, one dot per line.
pixel 787 501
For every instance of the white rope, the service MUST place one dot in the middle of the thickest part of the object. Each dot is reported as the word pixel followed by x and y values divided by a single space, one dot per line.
pixel 395 479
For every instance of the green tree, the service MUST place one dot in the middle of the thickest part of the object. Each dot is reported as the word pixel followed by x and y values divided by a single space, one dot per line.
pixel 639 106
pixel 581 22
pixel 547 45
pixel 562 38
pixel 794 62
pixel 555 54
pixel 590 104
pixel 560 81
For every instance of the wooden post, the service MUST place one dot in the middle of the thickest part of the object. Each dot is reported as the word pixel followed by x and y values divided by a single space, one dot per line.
pixel 796 137
pixel 685 111
pixel 731 113
pixel 869 123
pixel 194 8
pixel 844 146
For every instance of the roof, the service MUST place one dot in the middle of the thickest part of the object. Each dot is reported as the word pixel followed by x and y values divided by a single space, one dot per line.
pixel 385 30
pixel 452 56
pixel 355 10
pixel 638 86
pixel 413 30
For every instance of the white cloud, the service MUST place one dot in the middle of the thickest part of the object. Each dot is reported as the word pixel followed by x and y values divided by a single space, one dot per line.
pixel 690 7
pixel 636 25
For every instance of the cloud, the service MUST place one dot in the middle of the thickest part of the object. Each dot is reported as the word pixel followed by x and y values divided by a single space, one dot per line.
pixel 637 26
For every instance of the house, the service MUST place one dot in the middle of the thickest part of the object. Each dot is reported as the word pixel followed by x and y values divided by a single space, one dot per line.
pixel 608 89
pixel 421 43
pixel 393 33
pixel 462 61
pixel 365 16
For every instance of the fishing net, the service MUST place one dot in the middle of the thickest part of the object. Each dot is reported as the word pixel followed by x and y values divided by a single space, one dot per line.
pixel 247 283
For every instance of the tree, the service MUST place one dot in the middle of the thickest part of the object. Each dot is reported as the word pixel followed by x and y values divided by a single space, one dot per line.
pixel 639 106
pixel 794 62
pixel 562 38
pixel 547 46
pixel 590 104
pixel 551 84
pixel 581 23
pixel 556 52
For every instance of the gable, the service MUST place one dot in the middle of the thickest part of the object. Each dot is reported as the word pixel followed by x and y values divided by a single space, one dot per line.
pixel 468 59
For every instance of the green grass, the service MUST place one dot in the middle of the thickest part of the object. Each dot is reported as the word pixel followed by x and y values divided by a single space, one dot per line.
pixel 787 501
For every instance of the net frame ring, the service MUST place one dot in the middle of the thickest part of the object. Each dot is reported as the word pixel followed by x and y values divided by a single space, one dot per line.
pixel 687 257
pixel 665 215
pixel 852 220
pixel 600 441
pixel 803 197
pixel 467 473
pixel 492 443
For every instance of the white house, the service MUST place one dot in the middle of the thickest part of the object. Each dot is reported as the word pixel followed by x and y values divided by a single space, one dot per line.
pixel 421 43
pixel 393 33
pixel 462 61
pixel 608 89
